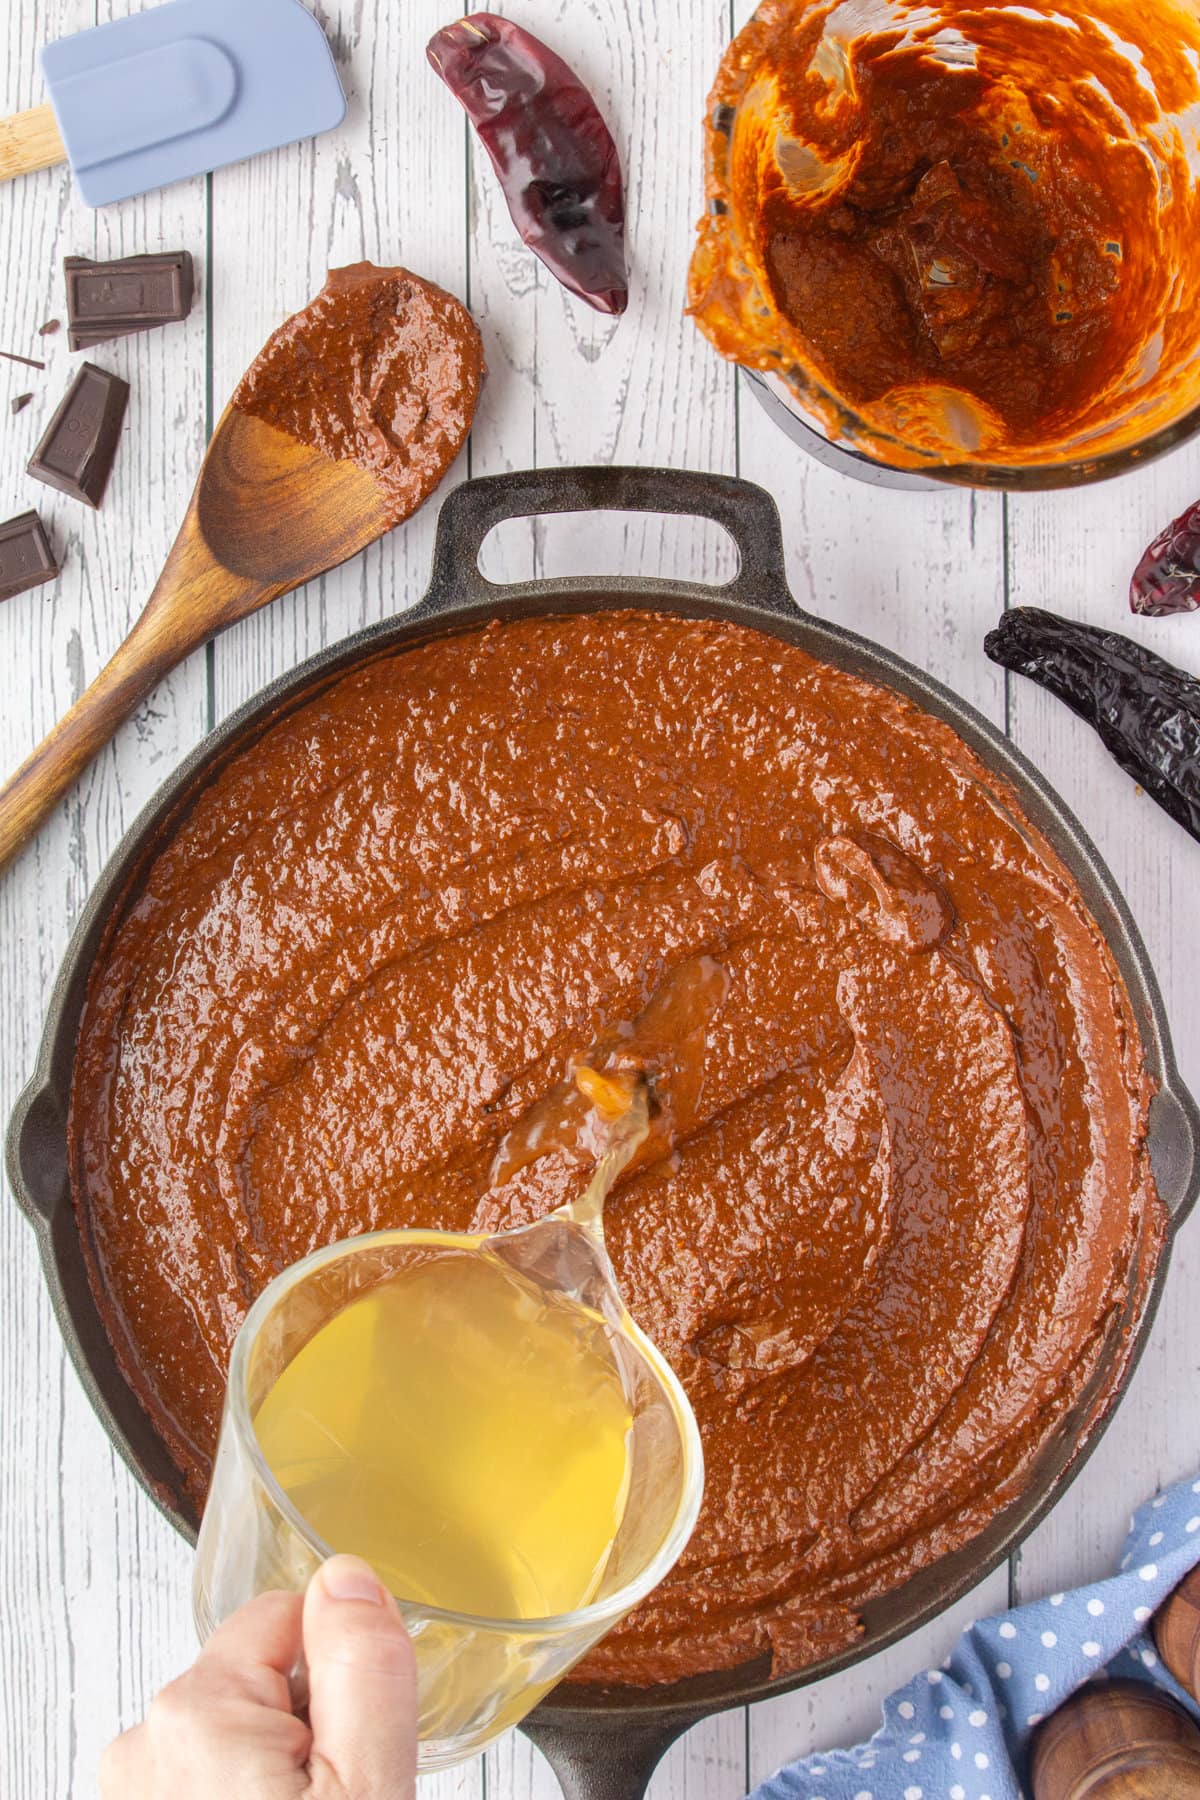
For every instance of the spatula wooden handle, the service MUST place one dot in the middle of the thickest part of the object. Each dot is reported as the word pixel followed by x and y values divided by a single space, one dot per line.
pixel 29 141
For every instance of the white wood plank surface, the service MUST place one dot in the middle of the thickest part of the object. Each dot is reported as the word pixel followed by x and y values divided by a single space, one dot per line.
pixel 94 1610
pixel 93 1588
pixel 1075 554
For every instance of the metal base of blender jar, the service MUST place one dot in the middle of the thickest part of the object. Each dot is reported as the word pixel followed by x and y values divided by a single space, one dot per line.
pixel 839 457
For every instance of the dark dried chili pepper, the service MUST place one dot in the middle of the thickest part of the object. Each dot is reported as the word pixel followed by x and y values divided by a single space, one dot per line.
pixel 1146 711
pixel 1167 580
pixel 555 157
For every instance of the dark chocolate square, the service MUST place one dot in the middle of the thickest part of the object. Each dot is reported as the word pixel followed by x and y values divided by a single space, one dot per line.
pixel 112 299
pixel 26 559
pixel 77 449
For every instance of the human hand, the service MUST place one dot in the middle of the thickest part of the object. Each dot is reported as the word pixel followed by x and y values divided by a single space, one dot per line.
pixel 226 1728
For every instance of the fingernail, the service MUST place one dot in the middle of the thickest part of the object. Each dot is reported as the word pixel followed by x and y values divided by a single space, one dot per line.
pixel 350 1578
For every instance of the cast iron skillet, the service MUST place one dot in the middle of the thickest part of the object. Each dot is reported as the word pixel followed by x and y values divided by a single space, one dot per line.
pixel 603 1743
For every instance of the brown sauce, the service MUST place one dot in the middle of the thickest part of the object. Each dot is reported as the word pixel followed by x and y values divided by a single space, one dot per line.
pixel 896 1214
pixel 382 369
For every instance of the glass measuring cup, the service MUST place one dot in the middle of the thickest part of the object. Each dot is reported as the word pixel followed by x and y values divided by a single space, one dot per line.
pixel 476 1676
pixel 1134 68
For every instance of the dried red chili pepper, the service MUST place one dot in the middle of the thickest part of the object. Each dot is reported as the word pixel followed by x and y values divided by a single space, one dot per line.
pixel 1167 580
pixel 555 157
pixel 1146 711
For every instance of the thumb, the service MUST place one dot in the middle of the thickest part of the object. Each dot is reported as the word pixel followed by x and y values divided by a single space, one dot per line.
pixel 362 1683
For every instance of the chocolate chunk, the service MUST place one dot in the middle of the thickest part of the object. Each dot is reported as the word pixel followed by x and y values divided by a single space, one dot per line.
pixel 76 453
pixel 26 559
pixel 19 402
pixel 112 299
pixel 49 328
pixel 31 362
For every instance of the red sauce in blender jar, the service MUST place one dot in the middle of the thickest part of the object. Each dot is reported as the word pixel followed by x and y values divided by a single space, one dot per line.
pixel 969 233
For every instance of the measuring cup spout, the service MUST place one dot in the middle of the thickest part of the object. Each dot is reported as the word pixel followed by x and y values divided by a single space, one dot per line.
pixel 565 1255
pixel 629 1132
pixel 566 1250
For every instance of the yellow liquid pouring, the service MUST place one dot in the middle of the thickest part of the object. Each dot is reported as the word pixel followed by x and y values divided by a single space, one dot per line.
pixel 464 1430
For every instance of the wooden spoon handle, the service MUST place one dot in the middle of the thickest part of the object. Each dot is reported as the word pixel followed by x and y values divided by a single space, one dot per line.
pixel 62 756
pixel 193 599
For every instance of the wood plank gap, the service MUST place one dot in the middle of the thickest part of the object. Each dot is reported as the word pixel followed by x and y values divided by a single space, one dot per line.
pixel 746 1747
pixel 63 1597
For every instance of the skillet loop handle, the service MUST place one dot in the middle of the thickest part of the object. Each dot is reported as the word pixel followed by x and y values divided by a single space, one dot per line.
pixel 746 512
pixel 37 1168
pixel 1174 1143
pixel 592 1763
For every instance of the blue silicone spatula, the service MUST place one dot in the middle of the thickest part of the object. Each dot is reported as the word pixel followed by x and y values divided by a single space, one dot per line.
pixel 176 91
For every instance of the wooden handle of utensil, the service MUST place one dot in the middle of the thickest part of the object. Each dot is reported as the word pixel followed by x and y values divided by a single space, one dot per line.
pixel 45 776
pixel 193 598
pixel 29 141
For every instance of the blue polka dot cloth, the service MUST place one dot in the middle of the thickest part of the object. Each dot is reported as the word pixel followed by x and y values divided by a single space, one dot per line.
pixel 962 1732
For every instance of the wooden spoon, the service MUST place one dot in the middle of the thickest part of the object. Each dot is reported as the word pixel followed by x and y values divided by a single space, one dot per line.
pixel 268 513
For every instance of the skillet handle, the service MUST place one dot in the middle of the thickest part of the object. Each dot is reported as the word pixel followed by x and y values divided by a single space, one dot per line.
pixel 1174 1142
pixel 37 1171
pixel 595 1763
pixel 747 513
